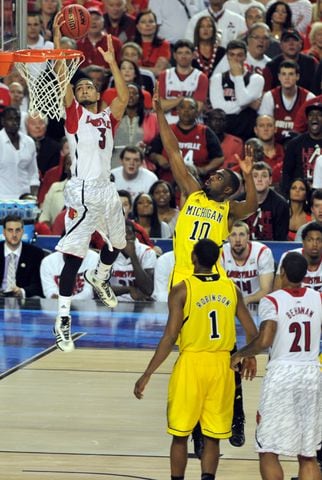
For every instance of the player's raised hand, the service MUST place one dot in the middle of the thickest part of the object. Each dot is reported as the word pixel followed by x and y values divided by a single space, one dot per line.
pixel 109 54
pixel 246 165
pixel 58 22
pixel 156 97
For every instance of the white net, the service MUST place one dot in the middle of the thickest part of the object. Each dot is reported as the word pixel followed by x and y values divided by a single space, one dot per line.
pixel 47 80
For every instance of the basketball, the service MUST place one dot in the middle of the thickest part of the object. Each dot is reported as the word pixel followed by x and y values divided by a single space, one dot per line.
pixel 77 20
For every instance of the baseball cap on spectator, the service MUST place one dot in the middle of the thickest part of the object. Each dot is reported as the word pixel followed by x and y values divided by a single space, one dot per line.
pixel 95 8
pixel 313 106
pixel 290 33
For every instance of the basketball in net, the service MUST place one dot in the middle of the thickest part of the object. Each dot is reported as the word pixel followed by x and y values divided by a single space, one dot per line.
pixel 47 74
pixel 77 20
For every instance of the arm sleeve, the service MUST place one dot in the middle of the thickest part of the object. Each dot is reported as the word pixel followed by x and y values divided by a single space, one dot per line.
pixel 162 273
pixel 266 261
pixel 278 270
pixel 267 105
pixel 200 95
pixel 217 98
pixel 247 94
pixel 33 167
pixel 267 309
pixel 149 259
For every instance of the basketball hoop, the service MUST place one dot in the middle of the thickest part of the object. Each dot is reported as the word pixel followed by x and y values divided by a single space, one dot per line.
pixel 47 88
pixel 6 63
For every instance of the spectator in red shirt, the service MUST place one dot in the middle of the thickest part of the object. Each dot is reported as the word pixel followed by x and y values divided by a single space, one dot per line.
pixel 95 38
pixel 133 7
pixel 199 145
pixel 156 51
pixel 5 98
pixel 131 74
pixel 300 123
pixel 230 144
pixel 117 22
pixel 273 152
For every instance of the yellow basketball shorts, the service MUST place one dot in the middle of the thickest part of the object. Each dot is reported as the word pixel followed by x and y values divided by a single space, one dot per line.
pixel 201 388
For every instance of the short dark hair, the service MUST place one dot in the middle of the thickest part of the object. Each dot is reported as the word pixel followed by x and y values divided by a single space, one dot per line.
pixel 82 78
pixel 12 218
pixel 295 266
pixel 131 149
pixel 234 180
pixel 10 109
pixel 125 193
pixel 263 166
pixel 289 64
pixel 233 44
pixel 207 252
pixel 183 43
pixel 317 194
pixel 311 227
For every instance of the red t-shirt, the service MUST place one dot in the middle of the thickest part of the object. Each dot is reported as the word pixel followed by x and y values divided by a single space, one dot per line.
pixel 300 123
pixel 276 163
pixel 151 54
pixel 5 98
pixel 92 55
pixel 110 93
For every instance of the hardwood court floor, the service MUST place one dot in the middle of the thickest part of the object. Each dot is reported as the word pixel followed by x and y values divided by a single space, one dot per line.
pixel 74 417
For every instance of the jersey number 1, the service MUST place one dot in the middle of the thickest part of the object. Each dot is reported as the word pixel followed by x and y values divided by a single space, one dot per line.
pixel 213 325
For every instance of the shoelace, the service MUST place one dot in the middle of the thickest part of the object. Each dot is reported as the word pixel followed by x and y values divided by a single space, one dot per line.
pixel 65 330
pixel 107 288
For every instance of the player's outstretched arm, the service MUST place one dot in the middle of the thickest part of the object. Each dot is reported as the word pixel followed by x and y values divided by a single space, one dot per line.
pixel 119 104
pixel 241 210
pixel 261 342
pixel 186 182
pixel 177 298
pixel 249 366
pixel 60 67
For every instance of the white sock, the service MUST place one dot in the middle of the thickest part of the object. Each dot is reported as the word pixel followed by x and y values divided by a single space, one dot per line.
pixel 64 305
pixel 102 271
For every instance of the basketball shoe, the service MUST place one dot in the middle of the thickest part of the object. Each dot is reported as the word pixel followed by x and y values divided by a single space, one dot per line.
pixel 62 333
pixel 102 288
pixel 238 435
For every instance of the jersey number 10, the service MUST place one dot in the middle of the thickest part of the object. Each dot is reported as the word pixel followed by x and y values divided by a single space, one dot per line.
pixel 200 230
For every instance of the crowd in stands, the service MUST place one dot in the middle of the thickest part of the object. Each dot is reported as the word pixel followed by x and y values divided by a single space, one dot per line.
pixel 230 73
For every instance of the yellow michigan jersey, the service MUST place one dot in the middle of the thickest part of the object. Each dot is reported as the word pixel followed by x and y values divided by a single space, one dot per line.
pixel 199 218
pixel 209 314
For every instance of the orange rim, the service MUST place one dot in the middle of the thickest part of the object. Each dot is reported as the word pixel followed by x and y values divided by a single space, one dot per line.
pixel 6 63
pixel 32 56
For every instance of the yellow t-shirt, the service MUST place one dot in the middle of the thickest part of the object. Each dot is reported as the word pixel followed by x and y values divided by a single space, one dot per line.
pixel 209 314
